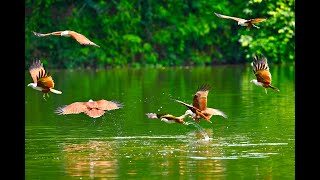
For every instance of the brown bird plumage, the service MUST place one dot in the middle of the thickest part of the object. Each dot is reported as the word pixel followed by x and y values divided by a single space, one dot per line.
pixel 77 36
pixel 42 80
pixel 199 105
pixel 168 118
pixel 261 71
pixel 91 108
pixel 243 22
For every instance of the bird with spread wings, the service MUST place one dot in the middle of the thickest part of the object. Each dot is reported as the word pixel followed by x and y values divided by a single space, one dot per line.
pixel 77 36
pixel 243 22
pixel 169 118
pixel 42 80
pixel 91 108
pixel 261 71
pixel 199 107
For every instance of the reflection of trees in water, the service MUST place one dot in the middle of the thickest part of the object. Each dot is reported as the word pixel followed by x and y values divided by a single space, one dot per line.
pixel 90 159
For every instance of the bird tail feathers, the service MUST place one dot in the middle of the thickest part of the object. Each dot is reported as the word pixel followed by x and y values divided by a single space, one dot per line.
pixel 274 88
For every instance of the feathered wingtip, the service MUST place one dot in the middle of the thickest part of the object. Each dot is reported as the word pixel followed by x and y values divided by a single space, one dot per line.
pixel 119 105
pixel 259 63
pixel 59 110
pixel 219 15
pixel 204 87
pixel 36 64
pixel 36 34
pixel 152 115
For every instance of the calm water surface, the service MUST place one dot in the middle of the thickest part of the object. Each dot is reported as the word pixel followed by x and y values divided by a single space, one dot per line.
pixel 257 141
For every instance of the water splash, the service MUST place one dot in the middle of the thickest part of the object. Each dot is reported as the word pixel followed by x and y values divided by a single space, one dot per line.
pixel 203 133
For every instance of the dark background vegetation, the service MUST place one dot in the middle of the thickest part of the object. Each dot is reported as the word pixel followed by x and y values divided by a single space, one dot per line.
pixel 139 33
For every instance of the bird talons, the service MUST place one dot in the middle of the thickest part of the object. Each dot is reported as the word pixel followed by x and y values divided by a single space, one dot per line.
pixel 44 96
pixel 186 123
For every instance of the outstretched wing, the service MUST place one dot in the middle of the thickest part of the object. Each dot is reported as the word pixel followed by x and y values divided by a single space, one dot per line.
pixel 168 118
pixel 35 69
pixel 82 39
pixel 74 108
pixel 152 115
pixel 256 20
pixel 200 97
pixel 108 105
pixel 57 33
pixel 259 63
pixel 159 116
pixel 156 116
pixel 213 112
pixel 261 69
pixel 229 17
pixel 192 108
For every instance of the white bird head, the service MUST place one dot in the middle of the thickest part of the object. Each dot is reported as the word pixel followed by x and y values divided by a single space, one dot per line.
pixel 33 85
pixel 189 112
pixel 65 33
pixel 254 81
pixel 167 121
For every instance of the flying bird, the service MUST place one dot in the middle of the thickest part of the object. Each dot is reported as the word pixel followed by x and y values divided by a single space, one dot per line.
pixel 199 107
pixel 91 108
pixel 168 118
pixel 243 22
pixel 42 80
pixel 195 112
pixel 77 36
pixel 261 71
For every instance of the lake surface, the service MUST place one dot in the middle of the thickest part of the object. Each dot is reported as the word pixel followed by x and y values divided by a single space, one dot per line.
pixel 256 141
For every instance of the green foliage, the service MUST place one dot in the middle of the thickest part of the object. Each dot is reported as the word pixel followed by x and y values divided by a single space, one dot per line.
pixel 277 39
pixel 173 33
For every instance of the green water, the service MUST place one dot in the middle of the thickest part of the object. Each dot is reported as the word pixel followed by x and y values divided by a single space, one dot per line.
pixel 257 141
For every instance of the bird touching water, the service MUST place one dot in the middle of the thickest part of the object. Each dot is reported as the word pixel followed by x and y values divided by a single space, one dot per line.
pixel 168 118
pixel 243 22
pixel 199 105
pixel 261 71
pixel 77 36
pixel 42 80
pixel 91 108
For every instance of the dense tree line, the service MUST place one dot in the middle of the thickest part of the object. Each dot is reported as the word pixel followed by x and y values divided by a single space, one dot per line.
pixel 158 33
